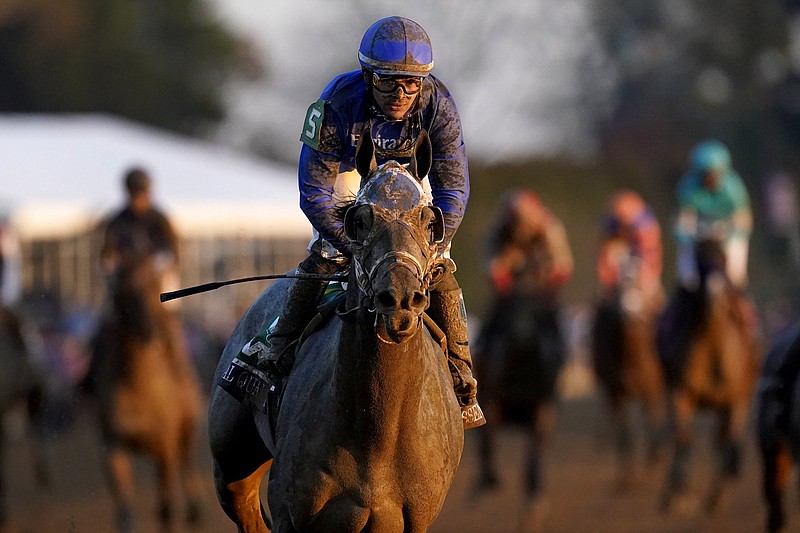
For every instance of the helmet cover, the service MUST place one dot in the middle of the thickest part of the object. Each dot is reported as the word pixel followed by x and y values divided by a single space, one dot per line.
pixel 396 46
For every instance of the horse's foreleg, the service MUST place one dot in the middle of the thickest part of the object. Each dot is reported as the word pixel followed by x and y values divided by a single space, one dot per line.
pixel 657 433
pixel 655 410
pixel 192 481
pixel 487 473
pixel 486 450
pixel 623 442
pixel 120 477
pixel 36 411
pixel 534 505
pixel 727 461
pixel 731 430
pixel 241 500
pixel 544 417
pixel 777 467
pixel 683 410
pixel 168 471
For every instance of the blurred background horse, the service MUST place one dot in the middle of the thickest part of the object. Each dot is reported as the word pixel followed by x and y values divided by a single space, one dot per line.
pixel 625 360
pixel 778 422
pixel 22 386
pixel 147 395
pixel 711 355
pixel 520 349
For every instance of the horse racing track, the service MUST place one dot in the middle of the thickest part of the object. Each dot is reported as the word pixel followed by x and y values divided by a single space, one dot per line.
pixel 579 477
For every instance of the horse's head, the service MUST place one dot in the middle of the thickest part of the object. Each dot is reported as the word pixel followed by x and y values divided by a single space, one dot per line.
pixel 135 289
pixel 394 229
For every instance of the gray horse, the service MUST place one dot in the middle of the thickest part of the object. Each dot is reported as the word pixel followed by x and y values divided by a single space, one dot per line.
pixel 369 434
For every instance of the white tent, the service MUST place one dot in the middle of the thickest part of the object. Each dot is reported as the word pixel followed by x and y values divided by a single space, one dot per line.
pixel 59 174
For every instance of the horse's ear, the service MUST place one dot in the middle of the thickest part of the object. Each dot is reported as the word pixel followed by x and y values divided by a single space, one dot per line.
pixel 422 160
pixel 365 155
pixel 349 224
pixel 437 227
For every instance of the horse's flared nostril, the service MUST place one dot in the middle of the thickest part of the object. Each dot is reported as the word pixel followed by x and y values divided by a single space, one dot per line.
pixel 386 300
pixel 389 299
pixel 419 300
pixel 405 323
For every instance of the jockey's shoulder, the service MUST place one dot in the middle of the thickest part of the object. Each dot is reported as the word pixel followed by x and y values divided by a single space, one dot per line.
pixel 344 87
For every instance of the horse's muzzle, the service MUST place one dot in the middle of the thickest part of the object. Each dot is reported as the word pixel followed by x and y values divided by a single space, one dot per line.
pixel 397 327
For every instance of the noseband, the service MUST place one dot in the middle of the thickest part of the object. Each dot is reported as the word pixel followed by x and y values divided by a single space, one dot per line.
pixel 365 277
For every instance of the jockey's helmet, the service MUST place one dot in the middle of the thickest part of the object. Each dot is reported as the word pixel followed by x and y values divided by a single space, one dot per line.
pixel 710 155
pixel 527 209
pixel 396 46
pixel 627 205
pixel 137 179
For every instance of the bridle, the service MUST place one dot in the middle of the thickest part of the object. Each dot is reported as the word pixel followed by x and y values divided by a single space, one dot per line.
pixel 423 271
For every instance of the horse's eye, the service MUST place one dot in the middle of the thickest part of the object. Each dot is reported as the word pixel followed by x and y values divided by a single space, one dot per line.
pixel 360 223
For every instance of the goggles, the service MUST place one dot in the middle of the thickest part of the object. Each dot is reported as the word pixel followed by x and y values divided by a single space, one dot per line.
pixel 389 84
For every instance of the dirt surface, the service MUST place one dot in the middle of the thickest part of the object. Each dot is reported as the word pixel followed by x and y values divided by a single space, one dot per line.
pixel 580 477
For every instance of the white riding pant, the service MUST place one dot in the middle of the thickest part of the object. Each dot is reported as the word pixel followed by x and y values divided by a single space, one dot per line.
pixel 736 250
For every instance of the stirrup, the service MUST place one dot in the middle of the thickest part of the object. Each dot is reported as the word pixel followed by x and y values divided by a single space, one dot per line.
pixel 472 415
pixel 277 366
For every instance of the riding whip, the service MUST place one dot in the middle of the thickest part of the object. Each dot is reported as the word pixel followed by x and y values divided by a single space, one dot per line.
pixel 205 287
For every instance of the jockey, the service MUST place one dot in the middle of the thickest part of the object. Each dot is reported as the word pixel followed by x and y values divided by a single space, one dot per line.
pixel 525 230
pixel 139 230
pixel 713 202
pixel 530 261
pixel 391 98
pixel 630 221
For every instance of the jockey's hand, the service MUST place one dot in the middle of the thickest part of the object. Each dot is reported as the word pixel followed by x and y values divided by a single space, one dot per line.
pixel 502 279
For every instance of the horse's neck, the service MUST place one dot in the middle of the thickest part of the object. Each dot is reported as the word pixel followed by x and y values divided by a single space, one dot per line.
pixel 376 379
pixel 141 315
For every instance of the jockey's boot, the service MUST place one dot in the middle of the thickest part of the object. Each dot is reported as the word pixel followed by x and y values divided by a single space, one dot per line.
pixel 448 311
pixel 302 298
pixel 269 356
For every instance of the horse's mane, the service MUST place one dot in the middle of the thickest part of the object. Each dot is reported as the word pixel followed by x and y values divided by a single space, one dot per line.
pixel 133 298
pixel 341 207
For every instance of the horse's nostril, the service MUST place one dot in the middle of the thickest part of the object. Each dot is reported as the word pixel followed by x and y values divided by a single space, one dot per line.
pixel 404 323
pixel 386 299
pixel 419 299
